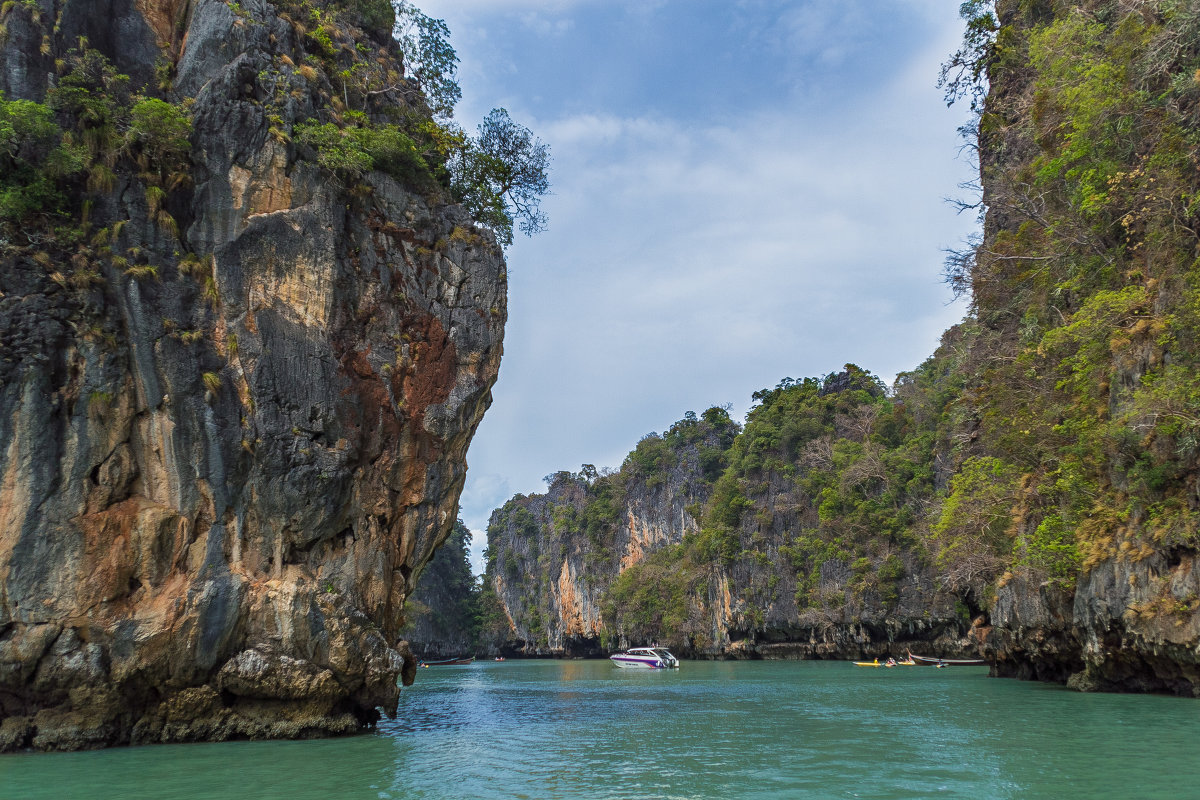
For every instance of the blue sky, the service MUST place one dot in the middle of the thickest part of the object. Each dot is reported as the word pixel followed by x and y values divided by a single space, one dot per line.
pixel 742 191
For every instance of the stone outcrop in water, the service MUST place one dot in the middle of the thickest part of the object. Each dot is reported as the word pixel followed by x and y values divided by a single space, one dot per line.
pixel 235 401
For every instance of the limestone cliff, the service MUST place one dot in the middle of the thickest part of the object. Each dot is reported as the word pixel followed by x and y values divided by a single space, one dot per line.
pixel 719 542
pixel 236 391
pixel 1081 367
pixel 552 557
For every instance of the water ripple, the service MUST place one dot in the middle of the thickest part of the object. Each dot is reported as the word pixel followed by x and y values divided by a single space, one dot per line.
pixel 550 730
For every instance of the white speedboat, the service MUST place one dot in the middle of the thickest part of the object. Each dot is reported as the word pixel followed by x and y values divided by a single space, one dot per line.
pixel 645 658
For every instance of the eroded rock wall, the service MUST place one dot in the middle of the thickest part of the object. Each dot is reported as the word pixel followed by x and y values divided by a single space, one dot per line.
pixel 547 578
pixel 785 540
pixel 553 556
pixel 216 487
pixel 1097 212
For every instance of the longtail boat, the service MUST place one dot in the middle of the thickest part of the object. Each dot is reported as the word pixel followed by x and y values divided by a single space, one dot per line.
pixel 924 661
pixel 449 662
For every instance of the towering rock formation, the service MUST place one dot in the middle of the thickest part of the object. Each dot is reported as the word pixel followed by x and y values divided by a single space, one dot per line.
pixel 1081 392
pixel 552 557
pixel 238 376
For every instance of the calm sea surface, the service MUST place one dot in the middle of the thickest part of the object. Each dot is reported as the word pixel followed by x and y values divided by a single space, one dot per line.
pixel 582 729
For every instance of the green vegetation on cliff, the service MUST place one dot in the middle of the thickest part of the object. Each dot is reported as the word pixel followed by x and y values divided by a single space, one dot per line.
pixel 499 175
pixel 823 493
pixel 443 614
pixel 61 156
pixel 1080 379
pixel 35 161
pixel 812 514
pixel 586 525
pixel 225 359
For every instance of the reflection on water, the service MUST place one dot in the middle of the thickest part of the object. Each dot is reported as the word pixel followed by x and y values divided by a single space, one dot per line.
pixel 545 729
pixel 574 671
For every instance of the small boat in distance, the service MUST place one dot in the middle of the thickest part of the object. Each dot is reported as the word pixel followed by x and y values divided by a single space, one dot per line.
pixel 645 658
pixel 891 662
pixel 924 661
pixel 449 662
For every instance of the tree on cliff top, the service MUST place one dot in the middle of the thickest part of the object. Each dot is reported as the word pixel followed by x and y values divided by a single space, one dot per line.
pixel 502 175
pixel 429 57
pixel 499 175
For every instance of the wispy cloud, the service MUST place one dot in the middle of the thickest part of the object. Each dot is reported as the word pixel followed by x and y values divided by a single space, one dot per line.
pixel 692 259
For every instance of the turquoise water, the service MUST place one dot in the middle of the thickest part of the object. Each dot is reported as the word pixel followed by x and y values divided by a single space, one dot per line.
pixel 582 729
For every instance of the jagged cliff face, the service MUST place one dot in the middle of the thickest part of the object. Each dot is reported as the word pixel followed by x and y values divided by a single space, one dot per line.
pixel 219 478
pixel 547 578
pixel 1085 284
pixel 553 557
pixel 723 545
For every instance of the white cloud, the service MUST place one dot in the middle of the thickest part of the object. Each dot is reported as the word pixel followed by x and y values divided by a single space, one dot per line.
pixel 690 264
pixel 821 28
pixel 546 26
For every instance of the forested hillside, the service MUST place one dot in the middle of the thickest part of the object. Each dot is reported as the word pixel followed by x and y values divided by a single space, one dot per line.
pixel 1081 391
pixel 1030 492
pixel 442 613
pixel 792 537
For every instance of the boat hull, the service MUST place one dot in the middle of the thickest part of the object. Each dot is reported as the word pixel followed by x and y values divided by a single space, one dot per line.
pixel 634 662
pixel 644 658
pixel 924 661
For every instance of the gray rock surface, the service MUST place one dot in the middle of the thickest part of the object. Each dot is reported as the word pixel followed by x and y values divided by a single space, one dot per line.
pixel 216 487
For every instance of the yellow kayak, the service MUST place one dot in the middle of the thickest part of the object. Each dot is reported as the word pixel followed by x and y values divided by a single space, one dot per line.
pixel 876 663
